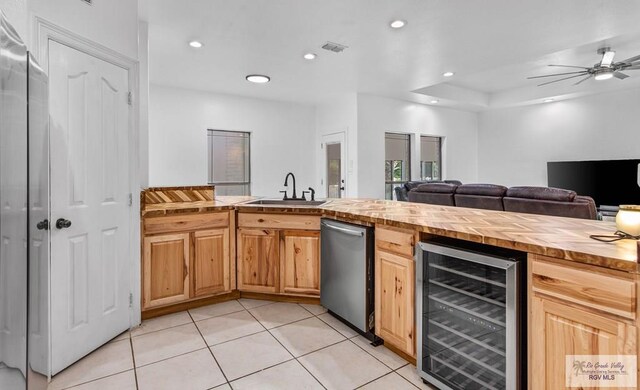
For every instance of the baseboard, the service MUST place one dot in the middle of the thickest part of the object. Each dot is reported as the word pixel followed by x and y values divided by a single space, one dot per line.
pixel 280 298
pixel 192 304
pixel 235 294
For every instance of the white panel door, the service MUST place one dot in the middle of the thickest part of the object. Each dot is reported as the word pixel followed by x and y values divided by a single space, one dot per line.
pixel 89 124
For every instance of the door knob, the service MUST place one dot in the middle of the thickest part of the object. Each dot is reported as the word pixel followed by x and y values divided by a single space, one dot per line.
pixel 43 225
pixel 62 223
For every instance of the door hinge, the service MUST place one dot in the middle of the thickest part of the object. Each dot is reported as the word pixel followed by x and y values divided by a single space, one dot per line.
pixel 130 199
pixel 322 146
pixel 129 98
pixel 130 300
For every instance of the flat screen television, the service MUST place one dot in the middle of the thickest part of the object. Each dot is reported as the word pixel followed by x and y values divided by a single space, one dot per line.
pixel 608 182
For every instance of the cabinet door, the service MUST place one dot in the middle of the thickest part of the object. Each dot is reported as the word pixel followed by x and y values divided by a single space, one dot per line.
pixel 166 269
pixel 210 273
pixel 258 260
pixel 300 264
pixel 395 301
pixel 557 330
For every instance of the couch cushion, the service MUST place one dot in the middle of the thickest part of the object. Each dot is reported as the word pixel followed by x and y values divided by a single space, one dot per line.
pixel 414 184
pixel 481 189
pixel 436 198
pixel 440 188
pixel 578 209
pixel 541 193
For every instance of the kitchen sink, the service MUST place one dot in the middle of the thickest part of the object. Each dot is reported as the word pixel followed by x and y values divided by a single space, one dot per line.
pixel 280 202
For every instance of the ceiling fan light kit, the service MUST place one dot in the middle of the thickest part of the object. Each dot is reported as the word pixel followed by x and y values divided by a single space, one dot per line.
pixel 603 70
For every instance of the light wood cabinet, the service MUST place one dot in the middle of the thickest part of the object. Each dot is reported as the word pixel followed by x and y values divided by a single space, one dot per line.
pixel 187 257
pixel 210 262
pixel 258 260
pixel 300 263
pixel 278 254
pixel 588 311
pixel 395 300
pixel 165 269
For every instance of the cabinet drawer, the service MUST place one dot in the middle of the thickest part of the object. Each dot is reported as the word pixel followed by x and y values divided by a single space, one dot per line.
pixel 395 240
pixel 609 291
pixel 278 221
pixel 185 223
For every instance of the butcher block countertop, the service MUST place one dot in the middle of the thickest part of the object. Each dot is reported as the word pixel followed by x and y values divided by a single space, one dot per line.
pixel 565 238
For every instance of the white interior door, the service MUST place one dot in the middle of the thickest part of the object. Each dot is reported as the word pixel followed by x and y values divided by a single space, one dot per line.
pixel 90 265
pixel 334 165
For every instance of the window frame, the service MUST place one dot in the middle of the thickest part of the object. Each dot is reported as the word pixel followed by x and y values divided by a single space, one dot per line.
pixel 420 161
pixel 395 183
pixel 210 156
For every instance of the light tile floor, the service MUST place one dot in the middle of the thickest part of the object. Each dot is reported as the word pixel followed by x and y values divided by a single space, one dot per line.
pixel 241 344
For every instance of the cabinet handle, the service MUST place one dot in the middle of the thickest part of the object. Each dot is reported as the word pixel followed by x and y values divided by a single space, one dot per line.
pixel 184 271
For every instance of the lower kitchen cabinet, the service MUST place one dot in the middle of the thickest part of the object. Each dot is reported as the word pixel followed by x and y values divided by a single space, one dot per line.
pixel 300 263
pixel 165 269
pixel 395 300
pixel 560 331
pixel 258 260
pixel 210 270
pixel 187 257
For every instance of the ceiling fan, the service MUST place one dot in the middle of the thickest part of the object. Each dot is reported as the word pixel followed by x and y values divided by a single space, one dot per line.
pixel 603 70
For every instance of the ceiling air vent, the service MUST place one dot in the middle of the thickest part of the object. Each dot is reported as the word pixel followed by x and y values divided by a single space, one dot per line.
pixel 334 47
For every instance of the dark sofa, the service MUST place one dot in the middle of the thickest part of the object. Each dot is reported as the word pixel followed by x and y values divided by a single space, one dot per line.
pixel 403 190
pixel 531 200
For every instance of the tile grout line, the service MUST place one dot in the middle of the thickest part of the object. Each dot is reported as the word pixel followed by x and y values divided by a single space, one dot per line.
pixel 210 351
pixel 351 339
pixel 285 348
pixel 94 380
pixel 133 358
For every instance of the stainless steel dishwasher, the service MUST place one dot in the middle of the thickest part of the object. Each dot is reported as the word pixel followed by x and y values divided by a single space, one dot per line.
pixel 346 283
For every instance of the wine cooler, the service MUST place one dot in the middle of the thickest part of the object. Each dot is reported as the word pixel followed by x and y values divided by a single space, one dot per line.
pixel 471 316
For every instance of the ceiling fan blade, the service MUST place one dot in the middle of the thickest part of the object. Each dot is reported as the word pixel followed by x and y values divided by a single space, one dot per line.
pixel 607 58
pixel 631 60
pixel 583 80
pixel 620 75
pixel 566 78
pixel 570 66
pixel 556 74
pixel 634 67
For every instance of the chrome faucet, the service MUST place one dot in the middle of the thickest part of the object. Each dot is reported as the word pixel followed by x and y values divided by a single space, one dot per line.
pixel 286 184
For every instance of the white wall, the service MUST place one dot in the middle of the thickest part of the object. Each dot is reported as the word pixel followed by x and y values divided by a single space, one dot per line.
pixel 339 115
pixel 515 144
pixel 111 23
pixel 377 115
pixel 282 137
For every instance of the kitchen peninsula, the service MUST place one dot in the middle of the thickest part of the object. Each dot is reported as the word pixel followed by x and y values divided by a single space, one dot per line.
pixel 582 294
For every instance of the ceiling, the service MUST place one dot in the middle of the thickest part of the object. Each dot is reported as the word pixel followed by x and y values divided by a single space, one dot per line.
pixel 491 45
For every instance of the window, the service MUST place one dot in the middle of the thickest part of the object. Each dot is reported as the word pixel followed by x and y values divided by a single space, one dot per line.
pixel 229 162
pixel 397 165
pixel 430 158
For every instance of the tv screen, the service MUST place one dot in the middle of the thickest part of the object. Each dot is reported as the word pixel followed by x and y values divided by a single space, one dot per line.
pixel 608 182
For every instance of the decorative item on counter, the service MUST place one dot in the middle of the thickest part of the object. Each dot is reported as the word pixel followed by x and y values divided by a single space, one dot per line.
pixel 627 223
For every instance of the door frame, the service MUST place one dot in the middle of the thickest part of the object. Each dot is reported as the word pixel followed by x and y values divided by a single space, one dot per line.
pixel 45 31
pixel 333 138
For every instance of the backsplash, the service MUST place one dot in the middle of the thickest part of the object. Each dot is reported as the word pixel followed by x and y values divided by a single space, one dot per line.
pixel 155 195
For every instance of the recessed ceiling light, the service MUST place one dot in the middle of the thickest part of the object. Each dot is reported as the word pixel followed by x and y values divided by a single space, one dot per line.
pixel 398 24
pixel 448 74
pixel 258 78
pixel 435 101
pixel 547 100
pixel 309 56
pixel 195 44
